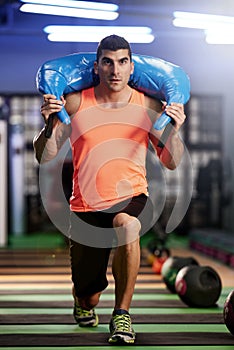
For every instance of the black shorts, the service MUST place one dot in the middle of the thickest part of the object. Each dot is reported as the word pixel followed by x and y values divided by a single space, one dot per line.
pixel 104 218
pixel 89 261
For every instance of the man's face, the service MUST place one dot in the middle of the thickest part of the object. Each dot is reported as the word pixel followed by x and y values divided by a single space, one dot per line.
pixel 114 69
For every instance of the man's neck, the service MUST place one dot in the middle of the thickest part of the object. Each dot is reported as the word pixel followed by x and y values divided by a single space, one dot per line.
pixel 112 99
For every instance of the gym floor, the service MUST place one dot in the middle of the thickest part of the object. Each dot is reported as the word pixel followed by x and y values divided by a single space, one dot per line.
pixel 36 306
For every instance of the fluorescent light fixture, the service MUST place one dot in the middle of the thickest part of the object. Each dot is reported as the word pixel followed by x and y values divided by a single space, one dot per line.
pixel 96 33
pixel 100 29
pixel 188 23
pixel 96 37
pixel 200 20
pixel 217 40
pixel 223 37
pixel 89 5
pixel 218 29
pixel 69 11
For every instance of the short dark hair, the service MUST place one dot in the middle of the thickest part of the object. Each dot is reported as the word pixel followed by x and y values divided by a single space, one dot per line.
pixel 113 43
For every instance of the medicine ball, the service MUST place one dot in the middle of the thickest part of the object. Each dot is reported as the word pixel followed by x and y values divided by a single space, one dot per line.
pixel 228 312
pixel 150 255
pixel 198 286
pixel 160 256
pixel 172 266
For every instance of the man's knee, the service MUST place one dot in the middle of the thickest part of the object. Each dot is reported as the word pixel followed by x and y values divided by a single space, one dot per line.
pixel 127 228
pixel 86 302
pixel 89 302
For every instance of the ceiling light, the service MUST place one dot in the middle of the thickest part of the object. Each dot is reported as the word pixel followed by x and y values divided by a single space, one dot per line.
pixel 218 29
pixel 188 23
pixel 96 33
pixel 96 37
pixel 90 5
pixel 223 37
pixel 100 29
pixel 200 20
pixel 69 11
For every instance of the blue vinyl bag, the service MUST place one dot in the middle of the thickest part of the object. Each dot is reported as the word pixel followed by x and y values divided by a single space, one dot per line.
pixel 153 76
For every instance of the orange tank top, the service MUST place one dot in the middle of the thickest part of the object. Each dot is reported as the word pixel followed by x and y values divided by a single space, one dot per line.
pixel 109 149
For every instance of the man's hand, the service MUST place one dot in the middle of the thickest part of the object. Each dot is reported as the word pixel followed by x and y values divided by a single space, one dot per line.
pixel 51 105
pixel 176 112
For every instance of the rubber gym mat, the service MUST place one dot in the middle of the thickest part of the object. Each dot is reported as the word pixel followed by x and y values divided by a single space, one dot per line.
pixel 136 318
pixel 91 338
pixel 36 310
pixel 157 347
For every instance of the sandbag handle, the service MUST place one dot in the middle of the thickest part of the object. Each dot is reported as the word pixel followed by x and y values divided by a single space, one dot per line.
pixel 49 126
pixel 166 134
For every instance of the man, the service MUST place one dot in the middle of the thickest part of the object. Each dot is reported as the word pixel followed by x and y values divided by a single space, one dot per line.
pixel 111 127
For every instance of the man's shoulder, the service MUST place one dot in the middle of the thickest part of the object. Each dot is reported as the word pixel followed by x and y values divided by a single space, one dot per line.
pixel 73 94
pixel 73 100
pixel 153 104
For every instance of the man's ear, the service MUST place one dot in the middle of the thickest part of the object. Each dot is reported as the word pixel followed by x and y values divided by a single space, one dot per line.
pixel 132 67
pixel 95 67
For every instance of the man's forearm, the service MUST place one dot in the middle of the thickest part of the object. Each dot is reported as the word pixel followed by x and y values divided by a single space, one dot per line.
pixel 172 152
pixel 46 149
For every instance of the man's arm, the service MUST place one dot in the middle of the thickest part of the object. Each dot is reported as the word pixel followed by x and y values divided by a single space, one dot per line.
pixel 46 149
pixel 170 153
pixel 170 149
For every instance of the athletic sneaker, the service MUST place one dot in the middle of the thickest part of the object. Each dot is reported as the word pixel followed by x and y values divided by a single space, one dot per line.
pixel 85 318
pixel 121 330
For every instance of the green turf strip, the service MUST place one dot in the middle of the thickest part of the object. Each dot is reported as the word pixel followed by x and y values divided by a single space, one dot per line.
pixel 104 328
pixel 133 347
pixel 68 297
pixel 103 311
pixel 37 240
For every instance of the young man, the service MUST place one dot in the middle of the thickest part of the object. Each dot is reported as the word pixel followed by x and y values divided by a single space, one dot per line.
pixel 111 127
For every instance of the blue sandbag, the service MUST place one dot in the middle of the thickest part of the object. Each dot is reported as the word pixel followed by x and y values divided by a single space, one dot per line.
pixel 153 76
